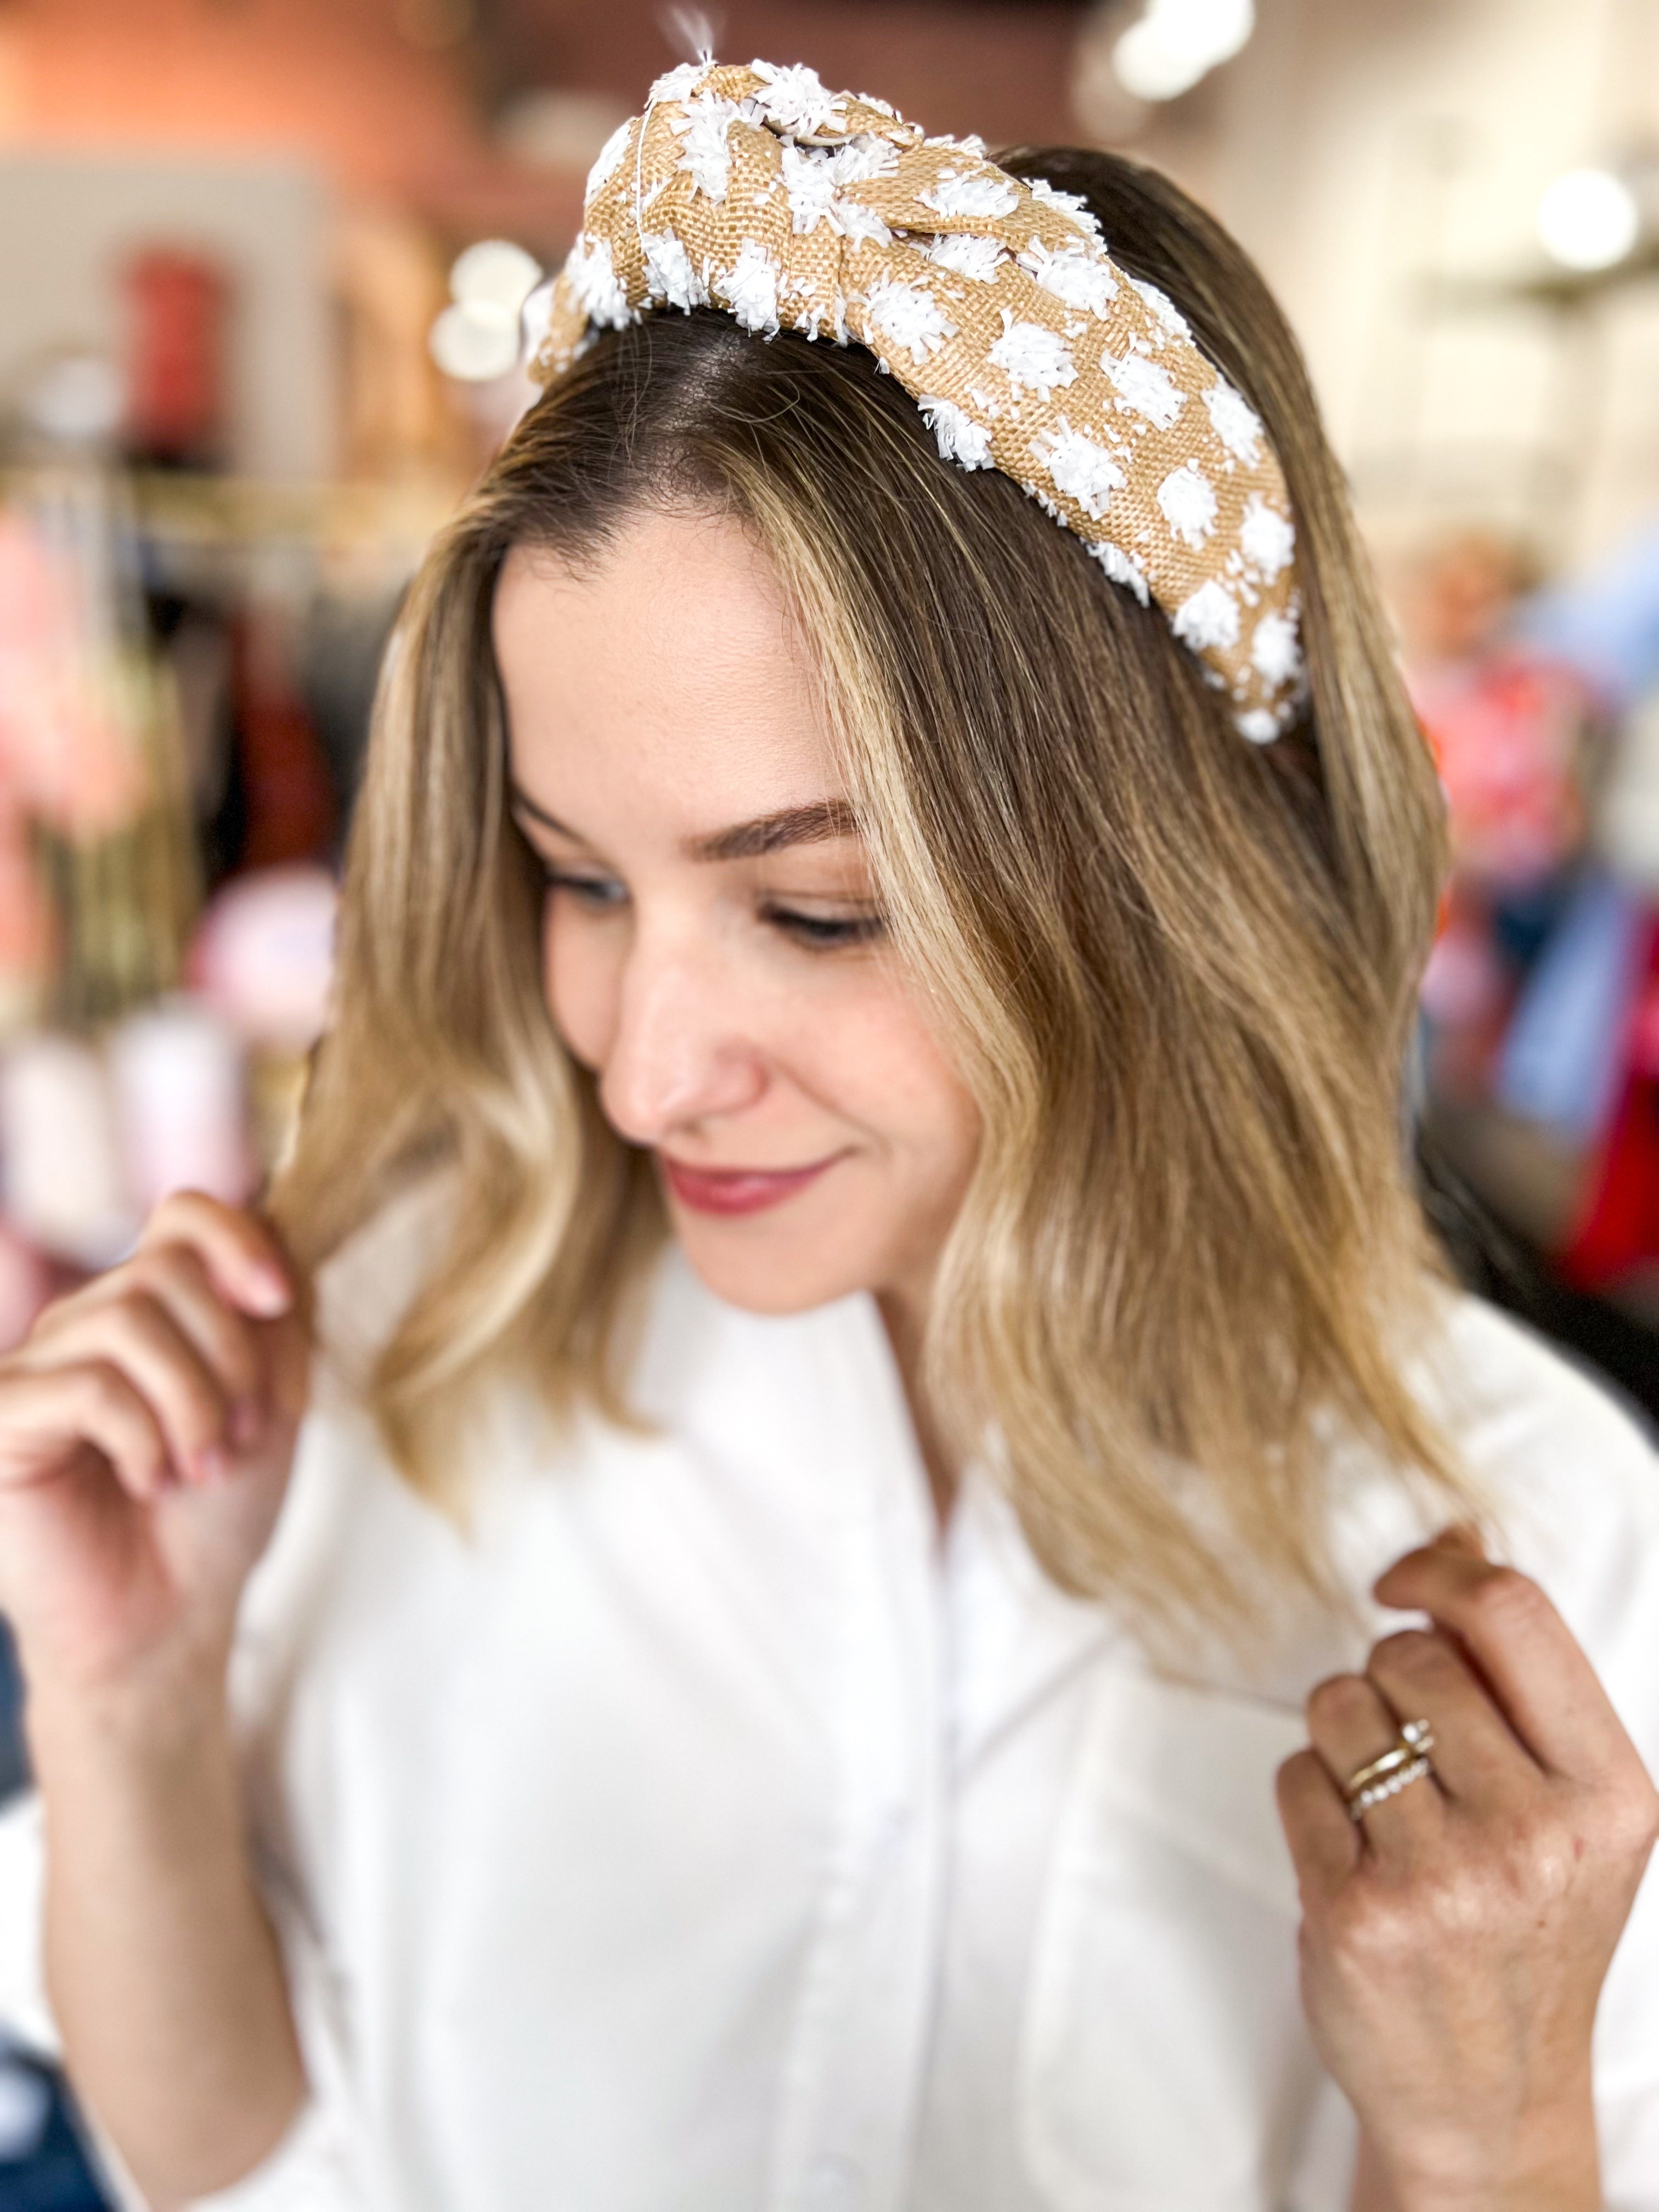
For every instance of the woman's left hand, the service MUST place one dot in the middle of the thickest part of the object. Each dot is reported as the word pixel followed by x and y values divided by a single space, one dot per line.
pixel 1455 1940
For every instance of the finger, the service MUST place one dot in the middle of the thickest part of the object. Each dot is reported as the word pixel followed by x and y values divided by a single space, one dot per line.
pixel 1351 1724
pixel 1466 1536
pixel 227 1339
pixel 177 1277
pixel 136 1335
pixel 243 1256
pixel 46 1416
pixel 1544 1685
pixel 1424 1676
pixel 1325 1844
pixel 262 1364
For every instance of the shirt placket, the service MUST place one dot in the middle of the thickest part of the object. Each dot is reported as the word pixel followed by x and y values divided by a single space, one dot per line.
pixel 857 2062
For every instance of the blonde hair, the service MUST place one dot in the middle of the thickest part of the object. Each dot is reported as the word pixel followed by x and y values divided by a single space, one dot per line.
pixel 1178 971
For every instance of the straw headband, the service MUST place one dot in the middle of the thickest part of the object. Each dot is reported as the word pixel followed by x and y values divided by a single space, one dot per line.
pixel 995 304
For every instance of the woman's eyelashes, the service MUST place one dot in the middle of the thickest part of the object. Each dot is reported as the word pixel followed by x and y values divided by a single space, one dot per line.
pixel 814 933
pixel 599 892
pixel 823 932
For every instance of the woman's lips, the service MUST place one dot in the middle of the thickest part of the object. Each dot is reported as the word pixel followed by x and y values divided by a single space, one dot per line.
pixel 738 1190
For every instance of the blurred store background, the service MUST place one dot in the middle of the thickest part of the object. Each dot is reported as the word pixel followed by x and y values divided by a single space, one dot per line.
pixel 261 264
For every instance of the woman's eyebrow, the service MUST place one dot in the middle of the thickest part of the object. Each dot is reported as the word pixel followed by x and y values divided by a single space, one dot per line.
pixel 823 819
pixel 771 833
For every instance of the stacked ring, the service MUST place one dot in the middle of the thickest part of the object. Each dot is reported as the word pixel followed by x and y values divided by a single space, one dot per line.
pixel 1402 1764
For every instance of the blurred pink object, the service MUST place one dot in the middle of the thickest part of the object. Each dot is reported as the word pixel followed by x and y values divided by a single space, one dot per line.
pixel 67 755
pixel 26 932
pixel 64 1188
pixel 1463 983
pixel 264 955
pixel 1509 732
pixel 25 1286
pixel 181 1104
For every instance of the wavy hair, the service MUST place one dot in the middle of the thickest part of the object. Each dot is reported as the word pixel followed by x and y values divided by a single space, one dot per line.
pixel 1178 971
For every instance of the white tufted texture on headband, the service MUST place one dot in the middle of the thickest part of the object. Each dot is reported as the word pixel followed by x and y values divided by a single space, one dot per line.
pixel 995 303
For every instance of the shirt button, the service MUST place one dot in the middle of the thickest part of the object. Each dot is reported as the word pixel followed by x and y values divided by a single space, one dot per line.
pixel 833 2183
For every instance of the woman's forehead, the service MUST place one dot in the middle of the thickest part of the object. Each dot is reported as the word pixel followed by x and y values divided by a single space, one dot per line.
pixel 678 582
pixel 669 672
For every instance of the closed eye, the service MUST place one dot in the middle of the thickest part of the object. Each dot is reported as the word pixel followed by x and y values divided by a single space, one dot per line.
pixel 821 933
pixel 814 933
pixel 598 892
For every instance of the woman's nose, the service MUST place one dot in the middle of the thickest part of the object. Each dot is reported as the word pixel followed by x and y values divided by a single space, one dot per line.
pixel 678 1055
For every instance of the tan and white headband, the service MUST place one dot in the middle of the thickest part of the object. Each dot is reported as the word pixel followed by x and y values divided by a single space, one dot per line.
pixel 993 300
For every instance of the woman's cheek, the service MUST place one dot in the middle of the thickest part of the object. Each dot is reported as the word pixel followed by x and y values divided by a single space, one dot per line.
pixel 580 979
pixel 889 1071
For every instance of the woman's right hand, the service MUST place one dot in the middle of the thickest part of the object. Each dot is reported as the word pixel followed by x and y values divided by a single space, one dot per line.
pixel 146 1426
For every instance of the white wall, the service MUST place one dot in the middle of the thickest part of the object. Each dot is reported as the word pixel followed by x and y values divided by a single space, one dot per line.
pixel 1369 150
pixel 67 219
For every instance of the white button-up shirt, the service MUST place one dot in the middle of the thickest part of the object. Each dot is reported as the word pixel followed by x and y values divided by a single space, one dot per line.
pixel 696 1831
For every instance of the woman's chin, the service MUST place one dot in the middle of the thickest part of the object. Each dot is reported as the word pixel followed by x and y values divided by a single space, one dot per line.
pixel 762 1274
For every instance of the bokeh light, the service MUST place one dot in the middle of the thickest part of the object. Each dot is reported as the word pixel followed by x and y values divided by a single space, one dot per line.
pixel 1177 42
pixel 477 336
pixel 1588 219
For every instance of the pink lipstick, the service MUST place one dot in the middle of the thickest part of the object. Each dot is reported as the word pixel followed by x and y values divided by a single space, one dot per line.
pixel 738 1190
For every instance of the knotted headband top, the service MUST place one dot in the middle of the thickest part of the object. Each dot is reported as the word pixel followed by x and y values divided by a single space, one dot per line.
pixel 992 299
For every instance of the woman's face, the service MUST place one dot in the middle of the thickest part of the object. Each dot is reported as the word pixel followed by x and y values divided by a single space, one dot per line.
pixel 712 947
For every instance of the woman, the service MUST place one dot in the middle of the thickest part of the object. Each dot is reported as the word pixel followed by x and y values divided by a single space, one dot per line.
pixel 873 1330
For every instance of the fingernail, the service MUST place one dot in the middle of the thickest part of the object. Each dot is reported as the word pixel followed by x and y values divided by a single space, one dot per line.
pixel 269 1292
pixel 245 1422
pixel 211 1465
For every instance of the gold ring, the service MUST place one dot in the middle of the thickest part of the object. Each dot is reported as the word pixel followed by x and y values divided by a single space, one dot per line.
pixel 1402 1764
